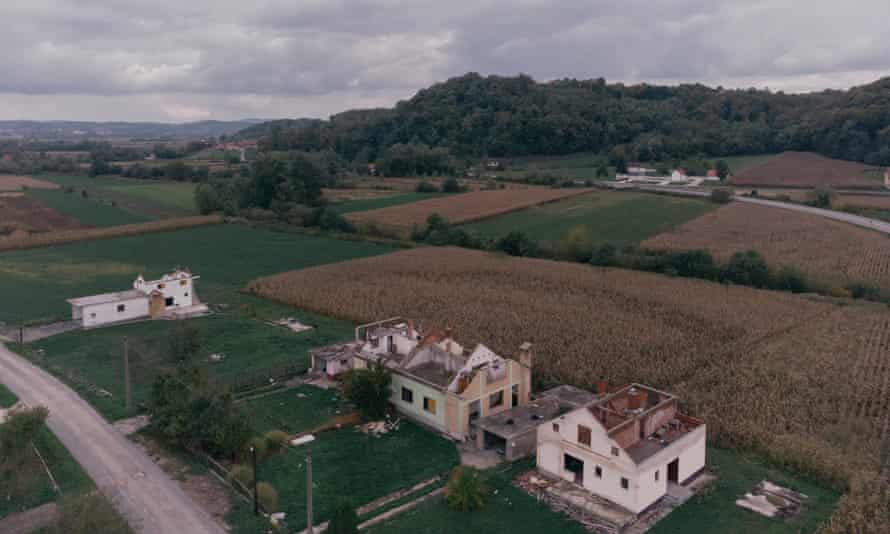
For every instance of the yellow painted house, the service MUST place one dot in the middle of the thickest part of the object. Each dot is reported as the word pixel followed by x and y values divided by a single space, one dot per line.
pixel 435 380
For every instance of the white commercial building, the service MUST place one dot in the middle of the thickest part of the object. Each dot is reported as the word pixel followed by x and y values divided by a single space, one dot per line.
pixel 627 446
pixel 171 295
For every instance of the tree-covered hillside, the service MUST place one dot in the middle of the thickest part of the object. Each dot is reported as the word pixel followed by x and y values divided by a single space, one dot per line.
pixel 515 116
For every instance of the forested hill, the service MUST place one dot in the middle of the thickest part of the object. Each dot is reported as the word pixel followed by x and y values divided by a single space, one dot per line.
pixel 514 116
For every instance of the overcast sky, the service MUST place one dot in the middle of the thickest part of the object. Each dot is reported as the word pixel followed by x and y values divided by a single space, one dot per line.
pixel 184 60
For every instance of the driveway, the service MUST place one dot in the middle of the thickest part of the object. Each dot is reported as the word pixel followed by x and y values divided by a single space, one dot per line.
pixel 150 501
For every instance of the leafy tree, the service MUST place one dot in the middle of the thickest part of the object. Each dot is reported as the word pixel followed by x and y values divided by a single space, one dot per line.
pixel 183 342
pixel 694 264
pixel 369 389
pixel 722 169
pixel 426 187
pixel 823 197
pixel 344 519
pixel 747 268
pixel 451 185
pixel 465 490
pixel 602 171
pixel 207 199
pixel 605 255
pixel 791 279
pixel 16 436
pixel 577 245
pixel 516 243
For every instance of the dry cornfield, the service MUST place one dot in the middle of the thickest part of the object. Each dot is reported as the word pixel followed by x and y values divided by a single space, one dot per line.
pixel 463 208
pixel 830 252
pixel 802 380
pixel 806 169
pixel 89 234
pixel 876 202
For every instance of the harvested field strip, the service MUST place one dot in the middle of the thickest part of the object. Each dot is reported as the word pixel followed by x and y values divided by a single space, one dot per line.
pixel 463 208
pixel 830 252
pixel 26 214
pixel 805 169
pixel 11 182
pixel 878 202
pixel 90 234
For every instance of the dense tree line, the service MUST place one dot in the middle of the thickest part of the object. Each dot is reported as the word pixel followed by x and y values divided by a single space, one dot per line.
pixel 472 116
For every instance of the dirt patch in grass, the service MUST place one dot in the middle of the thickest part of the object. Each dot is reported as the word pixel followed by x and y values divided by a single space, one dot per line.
pixel 11 182
pixel 26 214
pixel 805 169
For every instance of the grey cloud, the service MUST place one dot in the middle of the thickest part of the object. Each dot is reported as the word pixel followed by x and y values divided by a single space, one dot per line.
pixel 288 58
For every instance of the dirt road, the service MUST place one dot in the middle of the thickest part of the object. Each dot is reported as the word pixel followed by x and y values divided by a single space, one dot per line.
pixel 151 501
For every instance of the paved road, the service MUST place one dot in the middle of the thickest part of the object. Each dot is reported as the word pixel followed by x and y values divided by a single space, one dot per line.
pixel 150 500
pixel 865 222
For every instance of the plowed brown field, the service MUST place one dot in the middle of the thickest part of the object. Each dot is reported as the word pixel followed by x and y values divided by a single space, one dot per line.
pixel 26 214
pixel 463 208
pixel 803 381
pixel 805 169
pixel 831 252
pixel 12 182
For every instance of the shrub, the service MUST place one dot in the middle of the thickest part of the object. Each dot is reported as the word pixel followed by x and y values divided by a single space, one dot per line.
pixel 694 264
pixel 369 390
pixel 451 185
pixel 267 496
pixel 605 256
pixel 747 268
pixel 242 473
pixel 862 290
pixel 791 279
pixel 577 245
pixel 344 520
pixel 517 244
pixel 721 196
pixel 822 197
pixel 276 442
pixel 88 514
pixel 465 490
pixel 426 187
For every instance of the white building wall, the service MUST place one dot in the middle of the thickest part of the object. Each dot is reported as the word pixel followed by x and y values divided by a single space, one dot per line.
pixel 99 314
pixel 180 289
pixel 693 457
pixel 415 409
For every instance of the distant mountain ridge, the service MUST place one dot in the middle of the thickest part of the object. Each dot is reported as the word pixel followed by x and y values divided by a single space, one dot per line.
pixel 498 116
pixel 86 130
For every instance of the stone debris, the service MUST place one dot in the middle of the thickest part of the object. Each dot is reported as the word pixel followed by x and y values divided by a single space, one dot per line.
pixel 541 489
pixel 292 324
pixel 379 428
pixel 774 501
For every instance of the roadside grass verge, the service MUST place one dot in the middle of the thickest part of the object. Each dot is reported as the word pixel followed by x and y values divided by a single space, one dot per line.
pixel 7 398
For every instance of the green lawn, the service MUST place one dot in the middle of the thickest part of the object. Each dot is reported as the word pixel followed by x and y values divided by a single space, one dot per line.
pixel 69 475
pixel 89 211
pixel 739 163
pixel 381 202
pixel 508 510
pixel 351 465
pixel 620 218
pixel 715 511
pixel 7 398
pixel 294 410
pixel 151 199
pixel 35 282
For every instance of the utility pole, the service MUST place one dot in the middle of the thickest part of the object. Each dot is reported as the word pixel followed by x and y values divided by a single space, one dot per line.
pixel 127 375
pixel 256 502
pixel 309 529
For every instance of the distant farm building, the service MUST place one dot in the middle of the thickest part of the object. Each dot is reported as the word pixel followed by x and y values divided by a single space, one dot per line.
pixel 638 169
pixel 172 296
pixel 493 165
pixel 435 380
pixel 679 175
pixel 631 446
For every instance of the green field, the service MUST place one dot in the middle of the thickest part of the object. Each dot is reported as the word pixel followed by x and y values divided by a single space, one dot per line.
pixel 148 199
pixel 620 218
pixel 294 410
pixel 7 398
pixel 351 465
pixel 350 206
pixel 508 510
pixel 87 211
pixel 36 282
pixel 715 511
pixel 69 475
pixel 739 163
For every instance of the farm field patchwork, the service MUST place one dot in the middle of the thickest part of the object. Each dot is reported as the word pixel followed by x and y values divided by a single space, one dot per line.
pixel 378 202
pixel 24 214
pixel 86 211
pixel 146 198
pixel 463 208
pixel 806 169
pixel 734 355
pixel 620 218
pixel 831 252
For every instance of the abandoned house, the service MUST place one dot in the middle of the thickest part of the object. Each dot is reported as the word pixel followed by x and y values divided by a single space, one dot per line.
pixel 513 433
pixel 435 381
pixel 628 446
pixel 169 297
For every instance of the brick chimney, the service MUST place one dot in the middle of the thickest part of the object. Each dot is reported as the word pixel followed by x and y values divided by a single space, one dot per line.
pixel 602 386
